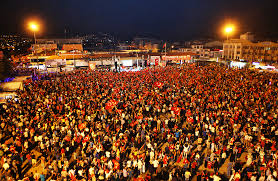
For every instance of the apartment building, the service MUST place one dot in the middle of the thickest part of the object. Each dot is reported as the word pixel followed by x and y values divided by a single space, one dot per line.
pixel 241 49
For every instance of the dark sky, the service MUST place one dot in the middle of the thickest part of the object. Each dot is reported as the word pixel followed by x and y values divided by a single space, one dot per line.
pixel 168 19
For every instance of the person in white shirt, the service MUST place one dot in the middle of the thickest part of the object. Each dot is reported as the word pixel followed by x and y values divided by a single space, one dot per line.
pixel 151 155
pixel 91 170
pixel 187 175
pixel 216 178
pixel 155 165
pixel 110 165
pixel 185 150
pixel 275 174
pixel 134 164
pixel 107 153
pixel 128 163
pixel 140 166
pixel 6 166
pixel 125 173
pixel 108 174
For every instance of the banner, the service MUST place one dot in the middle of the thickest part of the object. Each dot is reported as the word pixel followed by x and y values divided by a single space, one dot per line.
pixel 155 60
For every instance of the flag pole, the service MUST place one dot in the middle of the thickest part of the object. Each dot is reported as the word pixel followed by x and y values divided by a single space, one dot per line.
pixel 165 49
pixel 165 52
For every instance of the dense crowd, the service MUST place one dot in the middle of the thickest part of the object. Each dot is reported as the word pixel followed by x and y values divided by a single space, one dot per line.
pixel 172 123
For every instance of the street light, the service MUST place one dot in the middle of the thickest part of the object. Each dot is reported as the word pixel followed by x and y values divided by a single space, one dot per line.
pixel 228 30
pixel 33 26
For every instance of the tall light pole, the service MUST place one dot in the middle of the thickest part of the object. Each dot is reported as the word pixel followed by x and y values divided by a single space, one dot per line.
pixel 228 29
pixel 33 26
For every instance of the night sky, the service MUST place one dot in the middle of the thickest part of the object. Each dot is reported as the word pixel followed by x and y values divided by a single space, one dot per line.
pixel 167 19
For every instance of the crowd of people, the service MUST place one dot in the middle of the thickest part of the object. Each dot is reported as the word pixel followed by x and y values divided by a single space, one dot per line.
pixel 171 123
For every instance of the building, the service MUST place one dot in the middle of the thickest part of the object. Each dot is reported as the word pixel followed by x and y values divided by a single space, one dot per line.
pixel 214 45
pixel 47 46
pixel 202 52
pixel 241 49
pixel 71 47
pixel 99 42
pixel 13 42
pixel 146 43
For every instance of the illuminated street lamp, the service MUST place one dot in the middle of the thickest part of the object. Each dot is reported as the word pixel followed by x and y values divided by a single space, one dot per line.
pixel 228 30
pixel 33 26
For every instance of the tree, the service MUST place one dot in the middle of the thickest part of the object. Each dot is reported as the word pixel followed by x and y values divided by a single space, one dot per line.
pixel 5 67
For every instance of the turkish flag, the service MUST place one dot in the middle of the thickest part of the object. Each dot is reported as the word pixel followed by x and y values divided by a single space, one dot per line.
pixel 67 138
pixel 116 164
pixel 81 126
pixel 176 110
pixel 171 147
pixel 110 104
pixel 186 161
pixel 12 148
pixel 86 139
pixel 188 113
pixel 156 61
pixel 165 160
pixel 209 165
pixel 114 102
pixel 158 84
pixel 190 120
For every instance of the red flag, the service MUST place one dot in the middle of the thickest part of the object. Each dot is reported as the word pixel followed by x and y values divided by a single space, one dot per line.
pixel 171 147
pixel 86 139
pixel 186 161
pixel 116 164
pixel 12 148
pixel 176 110
pixel 164 45
pixel 81 126
pixel 72 177
pixel 67 138
pixel 179 159
pixel 190 120
pixel 158 84
pixel 114 102
pixel 110 104
pixel 188 113
pixel 165 159
pixel 156 61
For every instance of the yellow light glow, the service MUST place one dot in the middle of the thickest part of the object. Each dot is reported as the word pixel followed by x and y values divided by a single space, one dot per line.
pixel 228 29
pixel 33 26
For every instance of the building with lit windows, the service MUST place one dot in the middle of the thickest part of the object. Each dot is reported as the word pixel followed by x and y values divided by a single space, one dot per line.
pixel 203 52
pixel 48 46
pixel 241 49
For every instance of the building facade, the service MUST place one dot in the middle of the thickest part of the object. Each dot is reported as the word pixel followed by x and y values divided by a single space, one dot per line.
pixel 202 52
pixel 241 49
pixel 47 46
